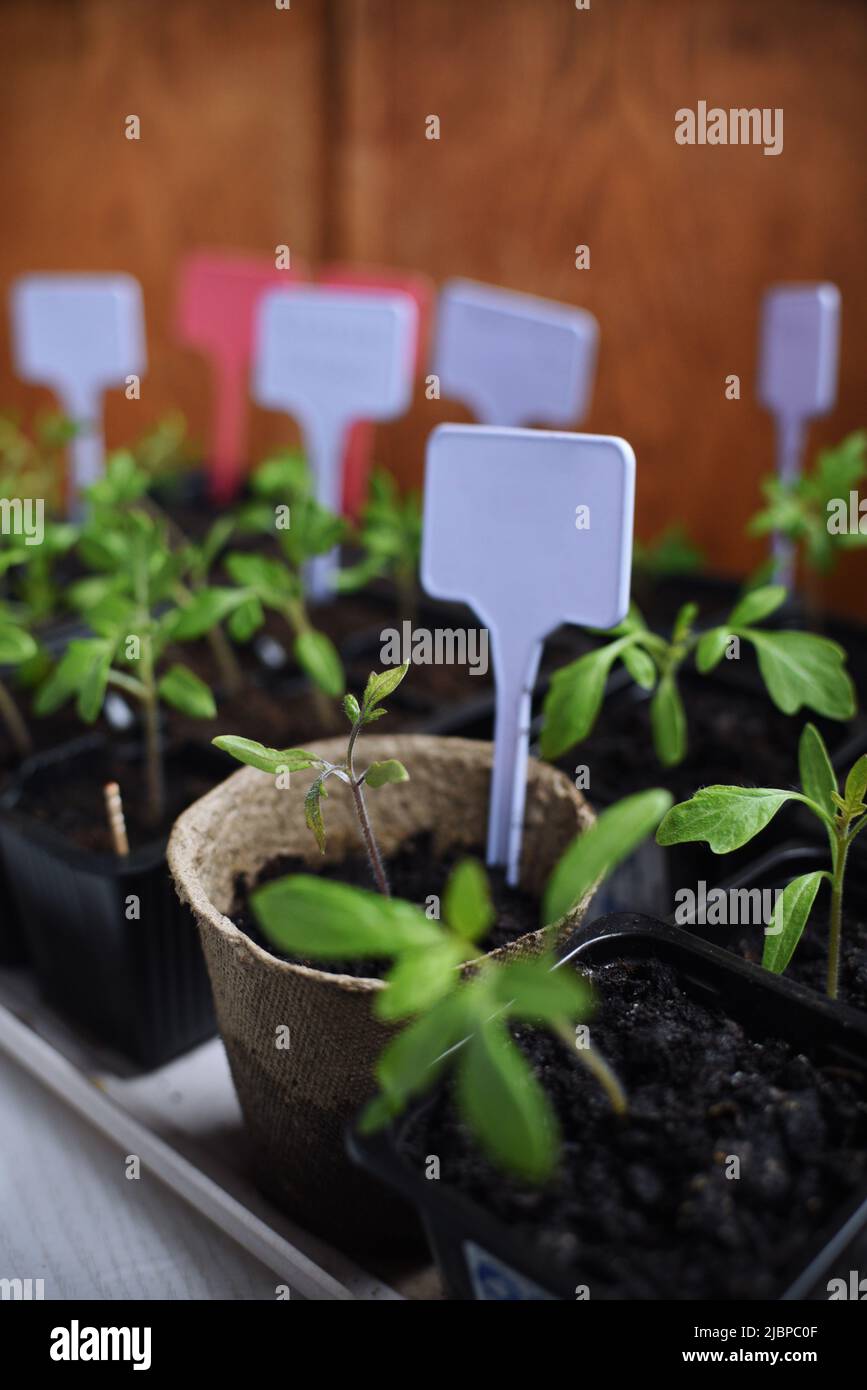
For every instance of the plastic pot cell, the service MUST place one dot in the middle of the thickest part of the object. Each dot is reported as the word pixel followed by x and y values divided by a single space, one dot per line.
pixel 112 948
pixel 718 1063
pixel 750 898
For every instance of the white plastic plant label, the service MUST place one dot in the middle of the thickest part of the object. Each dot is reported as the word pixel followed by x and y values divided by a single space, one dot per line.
pixel 531 529
pixel 330 357
pixel 799 348
pixel 512 358
pixel 79 335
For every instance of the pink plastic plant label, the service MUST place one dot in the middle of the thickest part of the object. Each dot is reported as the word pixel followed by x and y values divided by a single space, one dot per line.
pixel 217 301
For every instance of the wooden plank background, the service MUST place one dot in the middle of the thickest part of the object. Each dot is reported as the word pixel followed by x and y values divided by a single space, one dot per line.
pixel 307 126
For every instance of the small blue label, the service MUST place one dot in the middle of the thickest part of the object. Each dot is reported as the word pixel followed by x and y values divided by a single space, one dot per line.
pixel 494 1281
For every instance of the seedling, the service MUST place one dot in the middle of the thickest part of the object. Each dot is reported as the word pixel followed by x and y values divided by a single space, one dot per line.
pixel 132 611
pixel 461 1019
pixel 671 552
pixel 729 817
pixel 16 648
pixel 798 669
pixel 126 483
pixel 390 535
pixel 31 565
pixel 286 510
pixel 35 461
pixel 379 687
pixel 811 511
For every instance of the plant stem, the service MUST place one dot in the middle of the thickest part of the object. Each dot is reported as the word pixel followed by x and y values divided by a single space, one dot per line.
pixel 231 675
pixel 814 599
pixel 836 921
pixel 296 616
pixel 14 722
pixel 367 834
pixel 156 794
pixel 228 666
pixel 598 1067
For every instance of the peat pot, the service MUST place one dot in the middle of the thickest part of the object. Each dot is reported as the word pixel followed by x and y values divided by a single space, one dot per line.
pixel 297 1100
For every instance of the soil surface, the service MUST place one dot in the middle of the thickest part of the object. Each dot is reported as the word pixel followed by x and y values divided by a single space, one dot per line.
pixel 414 874
pixel 68 795
pixel 736 736
pixel 642 1207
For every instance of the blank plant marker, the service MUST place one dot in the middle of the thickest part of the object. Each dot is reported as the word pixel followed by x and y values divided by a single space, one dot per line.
pixel 514 359
pixel 79 335
pixel 218 296
pixel 798 360
pixel 330 358
pixel 363 280
pixel 505 531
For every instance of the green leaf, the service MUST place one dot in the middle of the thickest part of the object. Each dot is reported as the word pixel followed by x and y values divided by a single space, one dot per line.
pixel 420 979
pixel 467 905
pixel 273 760
pixel 351 708
pixel 592 855
pixel 247 618
pixel 271 581
pixel 389 771
pixel 283 477
pixel 726 817
pixel 16 645
pixel 668 723
pixel 323 919
pixel 575 696
pixel 792 913
pixel 183 690
pixel 381 684
pixel 818 779
pixel 313 812
pixel 532 991
pixel 757 605
pixel 317 655
pixel 91 694
pixel 711 649
pixel 856 782
pixel 504 1105
pixel 684 621
pixel 69 674
pixel 799 668
pixel 640 666
pixel 206 609
pixel 412 1062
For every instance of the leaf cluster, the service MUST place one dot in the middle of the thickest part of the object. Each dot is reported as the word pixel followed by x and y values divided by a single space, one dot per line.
pixel 799 669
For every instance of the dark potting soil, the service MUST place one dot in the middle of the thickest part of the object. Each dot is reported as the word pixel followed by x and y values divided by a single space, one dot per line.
pixel 641 1207
pixel 45 733
pixel 736 736
pixel 413 873
pixel 69 797
pixel 357 625
pixel 809 964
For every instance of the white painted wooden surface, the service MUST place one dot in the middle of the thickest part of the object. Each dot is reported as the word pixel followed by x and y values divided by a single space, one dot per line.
pixel 68 1118
pixel 69 1216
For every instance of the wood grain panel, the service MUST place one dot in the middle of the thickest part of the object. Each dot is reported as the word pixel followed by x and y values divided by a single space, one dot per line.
pixel 230 155
pixel 558 129
pixel 306 126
